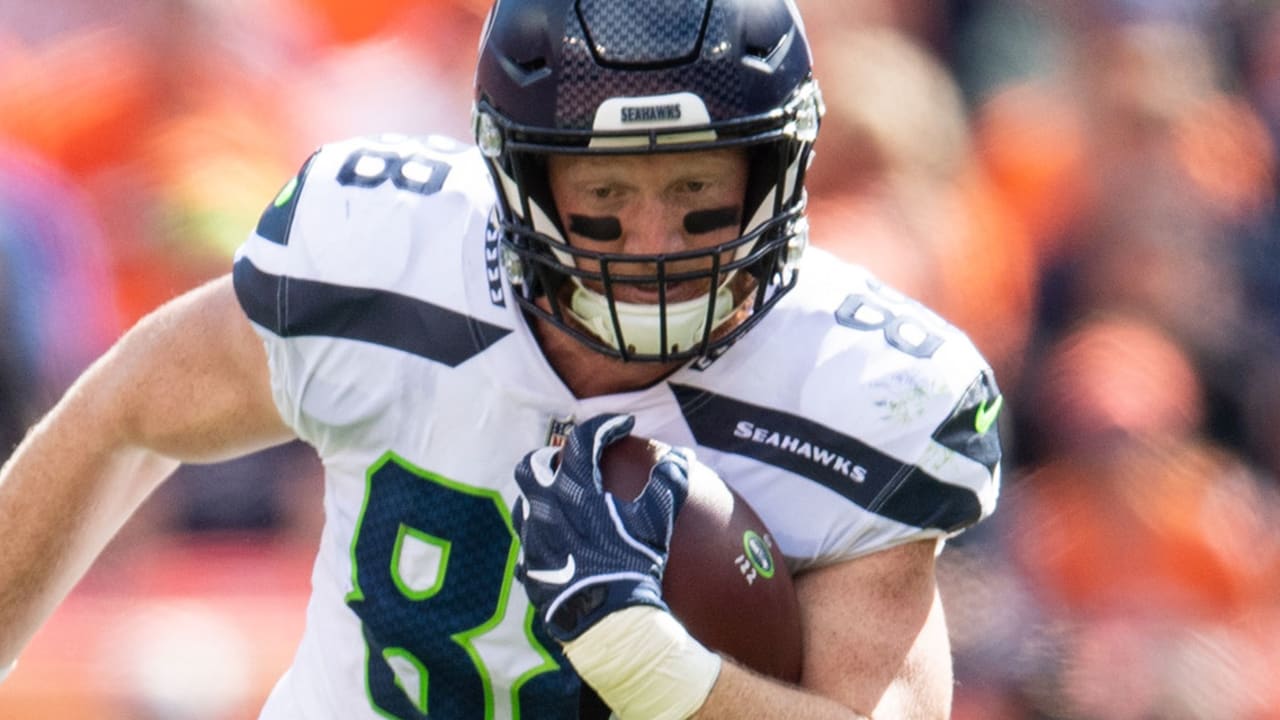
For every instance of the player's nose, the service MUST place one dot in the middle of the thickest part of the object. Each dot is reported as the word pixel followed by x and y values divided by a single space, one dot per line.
pixel 653 227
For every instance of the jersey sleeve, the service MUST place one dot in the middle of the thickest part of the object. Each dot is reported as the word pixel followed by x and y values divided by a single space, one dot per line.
pixel 853 420
pixel 920 423
pixel 944 477
pixel 261 275
pixel 354 251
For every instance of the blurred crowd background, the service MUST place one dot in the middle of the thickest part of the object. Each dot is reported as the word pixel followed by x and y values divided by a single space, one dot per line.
pixel 1087 186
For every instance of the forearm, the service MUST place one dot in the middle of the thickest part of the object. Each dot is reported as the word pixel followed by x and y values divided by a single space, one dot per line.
pixel 638 683
pixel 923 693
pixel 645 665
pixel 738 693
pixel 897 668
pixel 188 384
pixel 64 494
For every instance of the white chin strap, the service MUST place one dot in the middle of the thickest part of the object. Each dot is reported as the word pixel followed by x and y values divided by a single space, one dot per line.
pixel 641 323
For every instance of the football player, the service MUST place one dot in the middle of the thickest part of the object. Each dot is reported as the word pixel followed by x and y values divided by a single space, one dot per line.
pixel 622 249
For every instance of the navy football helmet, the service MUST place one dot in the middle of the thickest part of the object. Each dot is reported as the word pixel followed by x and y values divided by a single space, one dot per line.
pixel 647 76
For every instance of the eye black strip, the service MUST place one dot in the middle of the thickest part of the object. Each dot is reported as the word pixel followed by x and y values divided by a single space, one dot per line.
pixel 705 221
pixel 602 229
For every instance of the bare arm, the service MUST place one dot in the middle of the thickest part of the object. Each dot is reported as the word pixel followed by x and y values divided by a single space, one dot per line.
pixel 875 641
pixel 189 383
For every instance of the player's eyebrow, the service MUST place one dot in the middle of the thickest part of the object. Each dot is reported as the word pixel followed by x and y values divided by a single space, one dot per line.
pixel 602 229
pixel 705 221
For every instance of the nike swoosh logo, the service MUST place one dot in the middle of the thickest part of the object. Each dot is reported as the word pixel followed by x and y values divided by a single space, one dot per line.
pixel 985 417
pixel 560 576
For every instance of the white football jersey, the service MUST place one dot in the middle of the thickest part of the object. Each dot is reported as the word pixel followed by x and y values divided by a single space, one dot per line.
pixel 851 419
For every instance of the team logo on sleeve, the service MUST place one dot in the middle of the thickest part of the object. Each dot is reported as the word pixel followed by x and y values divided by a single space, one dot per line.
pixel 971 429
pixel 984 418
pixel 277 219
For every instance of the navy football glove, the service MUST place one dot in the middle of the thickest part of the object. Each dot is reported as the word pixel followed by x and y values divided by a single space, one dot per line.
pixel 586 552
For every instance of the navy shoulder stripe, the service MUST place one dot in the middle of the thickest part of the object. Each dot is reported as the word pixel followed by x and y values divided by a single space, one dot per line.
pixel 290 307
pixel 871 479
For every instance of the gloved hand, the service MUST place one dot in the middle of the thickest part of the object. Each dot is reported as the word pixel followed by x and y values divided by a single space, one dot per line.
pixel 586 552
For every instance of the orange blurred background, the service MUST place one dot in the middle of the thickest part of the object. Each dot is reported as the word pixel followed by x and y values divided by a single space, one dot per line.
pixel 1089 189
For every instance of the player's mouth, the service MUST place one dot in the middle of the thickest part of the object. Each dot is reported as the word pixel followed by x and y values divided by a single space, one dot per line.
pixel 652 293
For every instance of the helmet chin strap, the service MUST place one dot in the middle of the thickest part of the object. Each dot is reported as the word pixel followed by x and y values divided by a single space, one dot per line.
pixel 641 323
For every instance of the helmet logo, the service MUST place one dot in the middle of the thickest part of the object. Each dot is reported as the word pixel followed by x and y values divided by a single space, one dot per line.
pixel 616 117
pixel 650 113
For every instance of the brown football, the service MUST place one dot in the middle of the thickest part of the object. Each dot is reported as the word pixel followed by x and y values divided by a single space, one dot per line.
pixel 724 579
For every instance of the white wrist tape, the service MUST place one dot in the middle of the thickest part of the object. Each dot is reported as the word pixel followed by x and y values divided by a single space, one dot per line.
pixel 4 671
pixel 644 664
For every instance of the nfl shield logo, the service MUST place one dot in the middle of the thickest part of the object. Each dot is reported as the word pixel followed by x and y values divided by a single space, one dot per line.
pixel 558 431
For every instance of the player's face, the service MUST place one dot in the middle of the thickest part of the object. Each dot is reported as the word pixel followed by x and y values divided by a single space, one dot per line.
pixel 651 205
